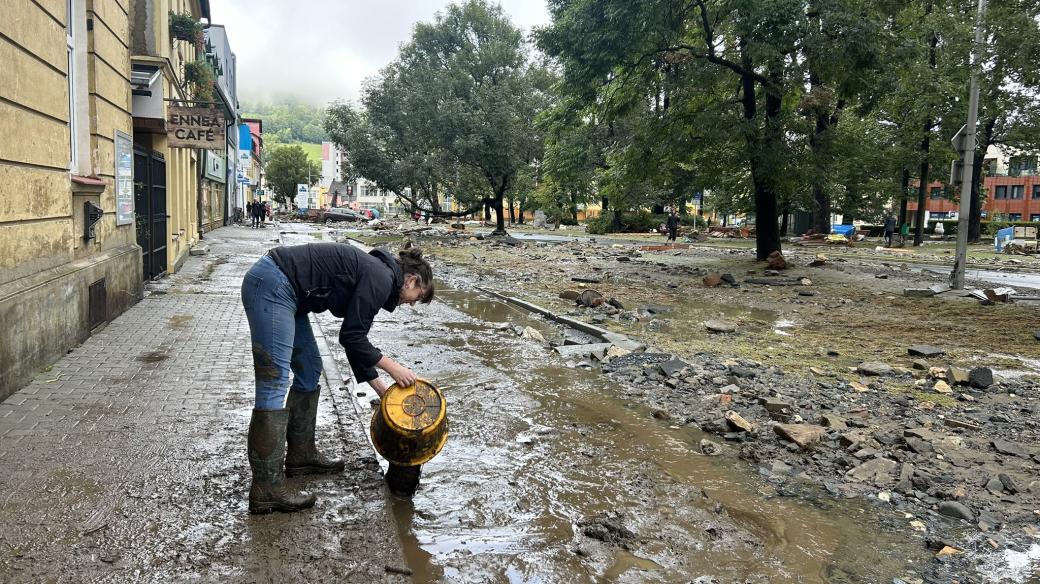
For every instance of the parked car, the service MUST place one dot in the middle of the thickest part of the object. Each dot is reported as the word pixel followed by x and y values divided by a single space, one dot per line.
pixel 340 214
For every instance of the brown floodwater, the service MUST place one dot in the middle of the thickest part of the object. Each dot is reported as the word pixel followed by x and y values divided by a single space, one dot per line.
pixel 537 447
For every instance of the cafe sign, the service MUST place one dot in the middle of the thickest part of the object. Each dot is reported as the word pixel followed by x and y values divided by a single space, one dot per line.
pixel 195 127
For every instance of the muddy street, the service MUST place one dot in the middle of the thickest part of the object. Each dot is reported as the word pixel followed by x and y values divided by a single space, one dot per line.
pixel 550 475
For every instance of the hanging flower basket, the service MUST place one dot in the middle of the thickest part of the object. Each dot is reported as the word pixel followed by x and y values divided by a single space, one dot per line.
pixel 184 27
pixel 200 79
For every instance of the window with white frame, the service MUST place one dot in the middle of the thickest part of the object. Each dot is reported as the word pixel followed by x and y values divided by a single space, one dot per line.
pixel 70 46
pixel 75 48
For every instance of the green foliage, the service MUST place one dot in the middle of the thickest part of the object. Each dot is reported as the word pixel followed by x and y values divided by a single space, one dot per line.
pixel 618 222
pixel 286 167
pixel 288 121
pixel 454 110
pixel 184 27
pixel 199 76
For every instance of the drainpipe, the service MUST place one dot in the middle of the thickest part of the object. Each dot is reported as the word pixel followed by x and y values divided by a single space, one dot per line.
pixel 201 165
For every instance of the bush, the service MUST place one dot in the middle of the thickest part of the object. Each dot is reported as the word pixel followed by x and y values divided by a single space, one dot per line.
pixel 639 222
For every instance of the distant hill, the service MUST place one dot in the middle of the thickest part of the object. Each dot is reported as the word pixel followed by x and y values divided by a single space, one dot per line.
pixel 290 122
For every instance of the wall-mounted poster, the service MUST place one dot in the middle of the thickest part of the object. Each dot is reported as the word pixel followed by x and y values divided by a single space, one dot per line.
pixel 124 179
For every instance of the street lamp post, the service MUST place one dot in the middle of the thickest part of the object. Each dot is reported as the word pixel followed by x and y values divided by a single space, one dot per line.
pixel 968 144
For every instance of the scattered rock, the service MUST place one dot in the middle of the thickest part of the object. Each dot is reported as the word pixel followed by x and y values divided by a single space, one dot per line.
pixel 807 292
pixel 980 377
pixel 720 326
pixel 709 448
pixel 586 279
pixel 920 364
pixel 874 368
pixel 570 294
pixel 957 376
pixel 956 510
pixel 672 367
pixel 770 273
pixel 804 435
pixel 875 470
pixel 712 280
pixel 942 387
pixel 737 422
pixel 590 298
pixel 729 279
pixel 918 292
pixel 616 303
pixel 925 351
pixel 1009 448
pixel 776 261
pixel 833 422
pixel 805 282
pixel 532 335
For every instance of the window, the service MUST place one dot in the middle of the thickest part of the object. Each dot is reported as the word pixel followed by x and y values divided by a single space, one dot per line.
pixel 75 49
pixel 1014 216
pixel 1034 217
pixel 1000 192
pixel 70 47
pixel 937 192
pixel 1036 191
pixel 1022 165
pixel 1017 191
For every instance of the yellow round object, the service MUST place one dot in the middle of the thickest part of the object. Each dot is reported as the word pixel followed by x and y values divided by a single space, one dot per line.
pixel 411 425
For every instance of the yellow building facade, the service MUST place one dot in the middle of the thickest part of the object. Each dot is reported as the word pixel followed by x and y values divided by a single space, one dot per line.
pixel 158 62
pixel 65 113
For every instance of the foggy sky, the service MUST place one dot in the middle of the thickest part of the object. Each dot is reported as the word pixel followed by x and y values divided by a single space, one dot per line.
pixel 320 50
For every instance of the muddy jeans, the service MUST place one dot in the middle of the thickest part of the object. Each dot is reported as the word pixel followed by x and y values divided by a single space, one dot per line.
pixel 282 339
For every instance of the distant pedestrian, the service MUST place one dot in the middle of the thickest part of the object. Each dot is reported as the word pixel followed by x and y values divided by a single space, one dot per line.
pixel 257 215
pixel 672 225
pixel 278 292
pixel 249 211
pixel 890 229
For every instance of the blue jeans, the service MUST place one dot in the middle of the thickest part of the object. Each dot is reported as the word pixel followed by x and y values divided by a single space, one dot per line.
pixel 282 339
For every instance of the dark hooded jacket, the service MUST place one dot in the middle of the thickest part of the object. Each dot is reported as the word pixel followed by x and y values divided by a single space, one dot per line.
pixel 349 283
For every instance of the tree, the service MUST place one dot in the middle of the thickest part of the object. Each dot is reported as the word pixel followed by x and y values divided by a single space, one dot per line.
pixel 468 82
pixel 286 167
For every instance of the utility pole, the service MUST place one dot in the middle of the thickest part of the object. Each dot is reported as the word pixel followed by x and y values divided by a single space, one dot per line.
pixel 967 145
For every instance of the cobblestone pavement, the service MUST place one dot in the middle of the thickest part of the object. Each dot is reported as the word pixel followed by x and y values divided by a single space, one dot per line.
pixel 125 461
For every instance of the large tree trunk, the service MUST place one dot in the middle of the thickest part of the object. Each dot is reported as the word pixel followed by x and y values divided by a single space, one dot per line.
pixel 500 220
pixel 975 216
pixel 487 211
pixel 512 212
pixel 784 221
pixel 922 185
pixel 435 201
pixel 903 192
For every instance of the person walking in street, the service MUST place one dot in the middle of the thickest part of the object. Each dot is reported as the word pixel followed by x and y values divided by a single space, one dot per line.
pixel 278 293
pixel 249 212
pixel 672 225
pixel 255 214
pixel 890 228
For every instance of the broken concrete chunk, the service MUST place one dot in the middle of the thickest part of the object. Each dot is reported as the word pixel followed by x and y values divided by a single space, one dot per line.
pixel 737 422
pixel 776 261
pixel 712 280
pixel 804 435
pixel 918 292
pixel 925 351
pixel 672 367
pixel 570 294
pixel 942 387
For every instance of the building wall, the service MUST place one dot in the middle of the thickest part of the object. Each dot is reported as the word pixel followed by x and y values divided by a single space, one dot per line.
pixel 46 266
pixel 152 39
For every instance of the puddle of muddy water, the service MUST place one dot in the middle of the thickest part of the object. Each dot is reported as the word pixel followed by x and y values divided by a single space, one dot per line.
pixel 535 447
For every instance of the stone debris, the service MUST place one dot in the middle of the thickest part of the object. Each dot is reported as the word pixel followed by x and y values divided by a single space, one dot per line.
pixel 738 422
pixel 720 326
pixel 776 261
pixel 804 435
pixel 874 368
pixel 927 351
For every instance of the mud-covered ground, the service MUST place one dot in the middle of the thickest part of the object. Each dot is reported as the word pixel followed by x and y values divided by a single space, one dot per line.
pixel 952 469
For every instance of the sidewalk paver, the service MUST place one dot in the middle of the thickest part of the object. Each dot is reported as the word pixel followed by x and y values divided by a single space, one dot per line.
pixel 125 461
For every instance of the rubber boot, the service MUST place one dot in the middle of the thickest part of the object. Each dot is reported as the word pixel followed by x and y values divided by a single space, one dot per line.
pixel 269 491
pixel 303 457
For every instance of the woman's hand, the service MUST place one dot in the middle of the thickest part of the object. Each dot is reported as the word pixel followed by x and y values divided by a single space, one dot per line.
pixel 402 375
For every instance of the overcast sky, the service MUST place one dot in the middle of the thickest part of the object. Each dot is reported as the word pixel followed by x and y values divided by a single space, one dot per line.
pixel 320 50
